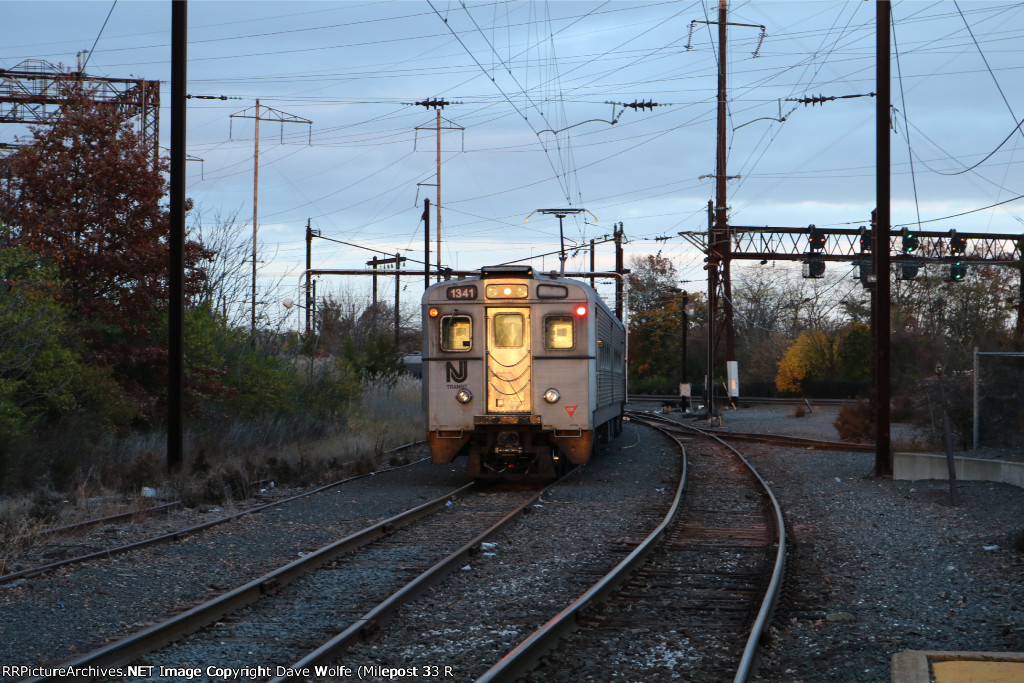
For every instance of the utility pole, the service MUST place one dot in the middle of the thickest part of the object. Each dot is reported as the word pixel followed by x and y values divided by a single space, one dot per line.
pixel 373 263
pixel 713 259
pixel 883 450
pixel 1020 292
pixel 176 238
pixel 721 216
pixel 438 105
pixel 617 233
pixel 270 114
pixel 719 240
pixel 309 265
pixel 592 263
pixel 426 243
pixel 684 313
pixel 399 260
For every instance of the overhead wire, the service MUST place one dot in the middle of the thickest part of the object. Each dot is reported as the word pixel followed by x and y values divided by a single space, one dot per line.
pixel 891 29
pixel 96 42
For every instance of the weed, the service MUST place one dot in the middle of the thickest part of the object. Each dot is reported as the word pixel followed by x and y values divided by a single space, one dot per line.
pixel 855 422
pixel 223 459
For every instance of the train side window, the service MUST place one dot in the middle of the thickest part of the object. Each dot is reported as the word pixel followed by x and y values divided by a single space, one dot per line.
pixel 456 333
pixel 558 333
pixel 508 330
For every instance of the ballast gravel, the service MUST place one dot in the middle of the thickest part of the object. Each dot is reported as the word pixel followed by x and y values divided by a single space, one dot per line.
pixel 52 618
pixel 877 566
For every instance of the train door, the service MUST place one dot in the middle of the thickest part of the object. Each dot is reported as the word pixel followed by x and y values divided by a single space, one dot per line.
pixel 509 362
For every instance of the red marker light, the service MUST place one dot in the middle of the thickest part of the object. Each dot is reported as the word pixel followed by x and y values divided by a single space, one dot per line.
pixel 581 311
pixel 432 312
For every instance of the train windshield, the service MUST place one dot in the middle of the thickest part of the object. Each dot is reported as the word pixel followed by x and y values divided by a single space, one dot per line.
pixel 508 330
pixel 456 333
pixel 558 332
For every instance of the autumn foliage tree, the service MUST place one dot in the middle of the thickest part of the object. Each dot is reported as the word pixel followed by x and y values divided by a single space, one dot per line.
pixel 86 195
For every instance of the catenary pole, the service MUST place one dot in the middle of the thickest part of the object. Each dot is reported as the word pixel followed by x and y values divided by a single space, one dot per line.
pixel 883 451
pixel 176 275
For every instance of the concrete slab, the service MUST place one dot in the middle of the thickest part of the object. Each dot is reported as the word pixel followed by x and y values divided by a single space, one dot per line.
pixel 914 466
pixel 931 666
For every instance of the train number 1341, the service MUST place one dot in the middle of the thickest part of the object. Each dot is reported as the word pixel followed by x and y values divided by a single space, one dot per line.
pixel 461 292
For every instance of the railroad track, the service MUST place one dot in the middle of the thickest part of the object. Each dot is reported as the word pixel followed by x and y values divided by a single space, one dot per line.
pixel 74 557
pixel 788 441
pixel 691 599
pixel 291 621
pixel 747 400
pixel 370 567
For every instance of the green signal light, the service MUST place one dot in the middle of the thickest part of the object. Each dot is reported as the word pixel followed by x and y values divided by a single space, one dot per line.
pixel 910 241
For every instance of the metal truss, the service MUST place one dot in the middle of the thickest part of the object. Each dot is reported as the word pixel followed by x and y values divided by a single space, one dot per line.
pixel 791 244
pixel 35 91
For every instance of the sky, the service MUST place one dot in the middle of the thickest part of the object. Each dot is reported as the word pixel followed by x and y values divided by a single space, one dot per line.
pixel 536 119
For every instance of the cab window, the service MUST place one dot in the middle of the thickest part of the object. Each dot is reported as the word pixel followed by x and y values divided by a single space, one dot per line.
pixel 558 333
pixel 456 333
pixel 508 330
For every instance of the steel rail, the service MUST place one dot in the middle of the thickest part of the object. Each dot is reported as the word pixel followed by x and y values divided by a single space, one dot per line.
pixel 154 637
pixel 789 441
pixel 96 521
pixel 750 400
pixel 764 615
pixel 545 639
pixel 367 625
pixel 180 533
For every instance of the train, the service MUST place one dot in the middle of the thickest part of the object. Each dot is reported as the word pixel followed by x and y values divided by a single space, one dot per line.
pixel 523 372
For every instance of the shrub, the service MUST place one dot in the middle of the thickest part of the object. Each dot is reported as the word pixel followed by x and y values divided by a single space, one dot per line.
pixel 856 422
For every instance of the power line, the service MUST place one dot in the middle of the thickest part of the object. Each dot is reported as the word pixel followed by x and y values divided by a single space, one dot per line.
pixel 94 43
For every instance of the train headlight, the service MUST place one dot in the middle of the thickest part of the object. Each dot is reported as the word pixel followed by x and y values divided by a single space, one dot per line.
pixel 552 396
pixel 464 396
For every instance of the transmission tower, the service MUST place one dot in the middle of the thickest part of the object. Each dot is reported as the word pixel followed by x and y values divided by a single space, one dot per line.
pixel 35 91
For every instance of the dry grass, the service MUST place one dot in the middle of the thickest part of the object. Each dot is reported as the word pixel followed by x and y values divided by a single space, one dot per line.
pixel 912 444
pixel 224 463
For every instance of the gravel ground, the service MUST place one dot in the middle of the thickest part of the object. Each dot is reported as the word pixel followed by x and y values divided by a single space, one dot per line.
pixel 52 618
pixel 538 567
pixel 877 566
pixel 881 566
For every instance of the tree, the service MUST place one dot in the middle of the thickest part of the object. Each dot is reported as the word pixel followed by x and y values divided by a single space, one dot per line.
pixel 652 280
pixel 41 374
pixel 87 196
pixel 815 354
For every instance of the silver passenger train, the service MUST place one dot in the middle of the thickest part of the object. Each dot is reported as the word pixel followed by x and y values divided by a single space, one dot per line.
pixel 521 371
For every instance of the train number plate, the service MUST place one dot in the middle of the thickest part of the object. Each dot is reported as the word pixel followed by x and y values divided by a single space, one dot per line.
pixel 461 292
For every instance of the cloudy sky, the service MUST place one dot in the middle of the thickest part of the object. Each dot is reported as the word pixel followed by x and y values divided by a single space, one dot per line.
pixel 534 89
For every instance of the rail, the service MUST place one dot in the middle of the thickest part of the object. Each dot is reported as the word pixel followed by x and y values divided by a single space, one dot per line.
pixel 181 533
pixel 546 638
pixel 520 659
pixel 764 615
pixel 154 637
